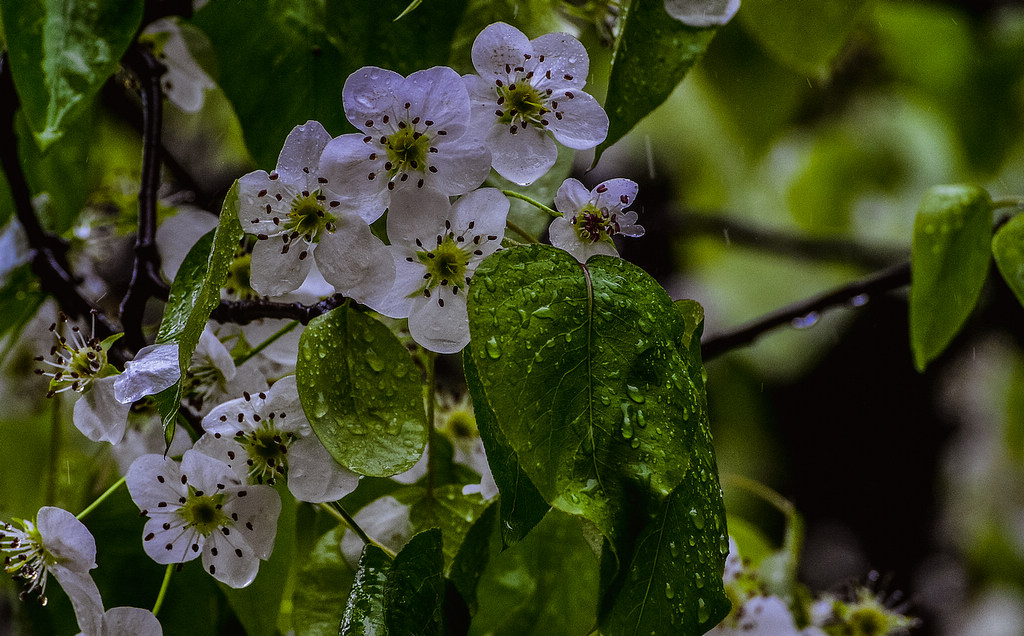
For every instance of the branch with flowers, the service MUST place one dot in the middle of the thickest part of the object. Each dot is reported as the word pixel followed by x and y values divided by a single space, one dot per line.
pixel 402 382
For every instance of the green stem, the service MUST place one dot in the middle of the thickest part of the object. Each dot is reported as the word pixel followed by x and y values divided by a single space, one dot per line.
pixel 55 444
pixel 431 398
pixel 339 513
pixel 163 588
pixel 251 353
pixel 520 231
pixel 1008 202
pixel 534 203
pixel 777 501
pixel 101 498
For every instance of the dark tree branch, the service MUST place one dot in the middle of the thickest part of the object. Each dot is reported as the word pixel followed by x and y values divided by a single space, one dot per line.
pixel 242 312
pixel 49 252
pixel 146 281
pixel 886 280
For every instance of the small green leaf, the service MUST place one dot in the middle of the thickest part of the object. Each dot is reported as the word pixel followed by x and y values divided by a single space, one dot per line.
pixel 452 512
pixel 949 260
pixel 1008 249
pixel 61 53
pixel 414 595
pixel 472 558
pixel 194 294
pixel 522 507
pixel 361 392
pixel 364 612
pixel 652 55
pixel 805 35
pixel 325 580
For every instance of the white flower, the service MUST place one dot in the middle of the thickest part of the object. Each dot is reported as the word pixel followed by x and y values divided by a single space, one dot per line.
pixel 413 132
pixel 184 82
pixel 266 435
pixel 761 616
pixel 59 544
pixel 702 13
pixel 437 248
pixel 386 521
pixel 590 218
pixel 129 621
pixel 526 91
pixel 80 365
pixel 200 505
pixel 213 377
pixel 294 215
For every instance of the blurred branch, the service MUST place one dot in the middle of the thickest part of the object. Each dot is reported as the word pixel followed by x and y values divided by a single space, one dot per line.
pixel 49 252
pixel 242 312
pixel 886 280
pixel 844 251
pixel 146 281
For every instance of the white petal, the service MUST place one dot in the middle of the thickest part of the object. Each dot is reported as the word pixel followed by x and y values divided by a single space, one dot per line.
pixel 353 260
pixel 130 621
pixel 153 479
pixel 176 236
pixel 368 93
pixel 230 560
pixel 274 272
pixel 227 450
pixel 524 157
pixel 386 520
pixel 417 214
pixel 98 414
pixel 154 368
pixel 257 510
pixel 67 539
pixel 702 13
pixel 346 160
pixel 610 194
pixel 628 225
pixel 206 473
pixel 497 46
pixel 462 164
pixel 572 196
pixel 283 399
pixel 211 350
pixel 300 154
pixel 166 539
pixel 583 124
pixel 84 596
pixel 314 476
pixel 414 474
pixel 487 209
pixel 563 56
pixel 397 302
pixel 224 419
pixel 563 236
pixel 441 329
pixel 439 95
pixel 257 191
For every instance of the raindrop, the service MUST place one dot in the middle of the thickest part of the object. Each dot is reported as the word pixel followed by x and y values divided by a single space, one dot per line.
pixel 627 423
pixel 543 312
pixel 673 548
pixel 493 349
pixel 809 320
pixel 635 443
pixel 634 394
pixel 669 592
pixel 641 421
pixel 859 300
pixel 703 613
pixel 490 284
pixel 697 519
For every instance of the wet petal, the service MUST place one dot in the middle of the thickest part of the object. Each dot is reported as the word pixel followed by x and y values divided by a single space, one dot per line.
pixel 439 95
pixel 615 194
pixel 499 45
pixel 583 123
pixel 225 449
pixel 357 263
pixel 274 271
pixel 524 157
pixel 206 473
pixel 563 236
pixel 369 92
pixel 166 539
pixel 84 595
pixel 440 328
pixel 154 368
pixel 67 539
pixel 487 209
pixel 154 482
pixel 98 413
pixel 702 13
pixel 130 621
pixel 564 57
pixel 347 160
pixel 314 476
pixel 257 511
pixel 571 197
pixel 300 155
pixel 461 164
pixel 230 560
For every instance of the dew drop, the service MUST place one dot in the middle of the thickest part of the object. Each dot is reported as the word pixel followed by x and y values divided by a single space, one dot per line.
pixel 490 284
pixel 669 592
pixel 859 300
pixel 641 421
pixel 493 349
pixel 627 422
pixel 673 548
pixel 635 443
pixel 703 612
pixel 809 320
pixel 697 519
pixel 634 394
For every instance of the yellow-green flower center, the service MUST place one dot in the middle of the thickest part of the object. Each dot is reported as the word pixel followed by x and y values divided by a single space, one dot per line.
pixel 446 264
pixel 307 217
pixel 592 225
pixel 267 449
pixel 407 151
pixel 520 100
pixel 204 512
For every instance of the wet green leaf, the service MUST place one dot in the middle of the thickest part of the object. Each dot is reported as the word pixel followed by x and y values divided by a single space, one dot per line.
pixel 950 257
pixel 451 511
pixel 324 583
pixel 414 595
pixel 803 34
pixel 61 53
pixel 522 507
pixel 1008 249
pixel 473 556
pixel 361 392
pixel 364 612
pixel 652 55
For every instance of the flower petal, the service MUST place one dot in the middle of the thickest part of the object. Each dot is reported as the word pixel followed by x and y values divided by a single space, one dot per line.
pixel 487 209
pixel 461 164
pixel 369 92
pixel 261 199
pixel 154 368
pixel 353 260
pixel 702 13
pixel 583 123
pixel 440 328
pixel 166 539
pixel 300 155
pixel 346 160
pixel 67 539
pixel 615 194
pixel 386 520
pixel 257 508
pixel 283 401
pixel 230 560
pixel 130 621
pixel 524 157
pixel 98 413
pixel 499 45
pixel 206 473
pixel 397 302
pixel 563 236
pixel 153 480
pixel 564 57
pixel 439 95
pixel 274 271
pixel 230 417
pixel 225 449
pixel 416 215
pixel 84 595
pixel 571 197
pixel 314 476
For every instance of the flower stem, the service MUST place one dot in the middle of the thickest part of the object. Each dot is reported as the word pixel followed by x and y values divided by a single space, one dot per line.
pixel 1008 202
pixel 101 498
pixel 534 203
pixel 520 231
pixel 163 588
pixel 55 444
pixel 339 513
pixel 431 398
pixel 251 353
pixel 777 501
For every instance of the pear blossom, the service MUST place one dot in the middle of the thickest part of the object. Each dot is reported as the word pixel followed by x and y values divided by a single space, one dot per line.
pixel 524 92
pixel 200 505
pixel 213 377
pixel 80 365
pixel 58 544
pixel 295 215
pixel 184 82
pixel 591 217
pixel 266 435
pixel 413 132
pixel 387 520
pixel 128 621
pixel 702 13
pixel 437 247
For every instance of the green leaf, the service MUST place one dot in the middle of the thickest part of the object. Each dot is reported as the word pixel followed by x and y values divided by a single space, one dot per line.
pixel 414 595
pixel 805 35
pixel 364 613
pixel 949 260
pixel 652 55
pixel 20 298
pixel 1008 249
pixel 547 584
pixel 258 605
pixel 194 294
pixel 674 582
pixel 452 512
pixel 361 392
pixel 299 53
pixel 61 53
pixel 522 506
pixel 473 556
pixel 324 582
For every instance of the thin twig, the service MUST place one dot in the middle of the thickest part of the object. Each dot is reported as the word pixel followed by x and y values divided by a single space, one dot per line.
pixel 886 280
pixel 242 312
